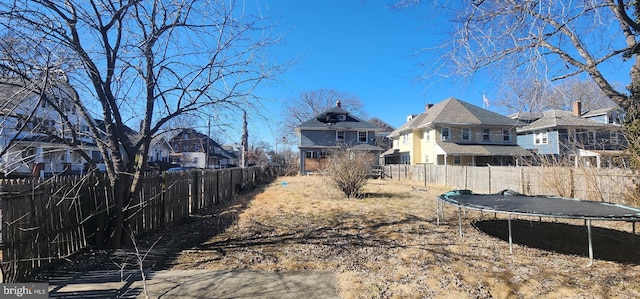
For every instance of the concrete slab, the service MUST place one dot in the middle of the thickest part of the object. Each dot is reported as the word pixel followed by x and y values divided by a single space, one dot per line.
pixel 196 284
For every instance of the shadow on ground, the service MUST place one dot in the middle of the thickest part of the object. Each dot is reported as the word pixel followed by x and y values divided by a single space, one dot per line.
pixel 196 284
pixel 608 244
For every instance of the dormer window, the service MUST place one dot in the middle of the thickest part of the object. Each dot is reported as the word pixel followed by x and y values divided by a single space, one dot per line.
pixel 185 136
pixel 342 117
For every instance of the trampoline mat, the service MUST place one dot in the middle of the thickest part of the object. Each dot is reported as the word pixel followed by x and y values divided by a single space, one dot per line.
pixel 513 202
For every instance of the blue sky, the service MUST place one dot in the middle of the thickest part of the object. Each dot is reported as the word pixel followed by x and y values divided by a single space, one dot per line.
pixel 367 49
pixel 362 48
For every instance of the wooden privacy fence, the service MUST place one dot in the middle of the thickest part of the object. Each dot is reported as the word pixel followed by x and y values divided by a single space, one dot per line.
pixel 43 221
pixel 601 184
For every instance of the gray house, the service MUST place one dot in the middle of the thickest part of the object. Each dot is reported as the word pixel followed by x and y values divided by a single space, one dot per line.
pixel 332 130
pixel 591 138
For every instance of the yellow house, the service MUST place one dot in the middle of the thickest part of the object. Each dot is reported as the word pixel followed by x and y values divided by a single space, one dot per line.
pixel 454 132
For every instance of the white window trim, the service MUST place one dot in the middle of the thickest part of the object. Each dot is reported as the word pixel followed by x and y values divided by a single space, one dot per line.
pixel 366 136
pixel 337 135
pixel 541 138
pixel 488 135
pixel 448 136
pixel 468 130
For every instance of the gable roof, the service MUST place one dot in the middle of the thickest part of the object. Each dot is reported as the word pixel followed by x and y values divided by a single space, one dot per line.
pixel 560 119
pixel 384 127
pixel 453 111
pixel 602 111
pixel 328 119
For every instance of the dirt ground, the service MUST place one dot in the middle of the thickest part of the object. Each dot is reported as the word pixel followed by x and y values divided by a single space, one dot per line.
pixel 388 244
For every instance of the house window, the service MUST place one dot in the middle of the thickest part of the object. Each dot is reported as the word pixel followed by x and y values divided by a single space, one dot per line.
pixel 362 137
pixel 613 136
pixel 311 155
pixel 466 134
pixel 175 147
pixel 405 138
pixel 339 135
pixel 185 136
pixel 541 138
pixel 197 147
pixel 456 160
pixel 426 135
pixel 445 133
pixel 486 134
pixel 506 135
pixel 591 137
pixel 185 148
pixel 342 117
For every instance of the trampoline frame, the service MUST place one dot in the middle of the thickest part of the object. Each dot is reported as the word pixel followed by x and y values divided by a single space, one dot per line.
pixel 442 199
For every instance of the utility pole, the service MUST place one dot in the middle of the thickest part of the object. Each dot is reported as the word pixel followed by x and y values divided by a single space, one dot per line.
pixel 245 139
pixel 208 150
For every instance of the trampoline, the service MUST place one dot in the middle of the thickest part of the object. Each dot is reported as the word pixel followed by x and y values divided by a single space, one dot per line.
pixel 513 203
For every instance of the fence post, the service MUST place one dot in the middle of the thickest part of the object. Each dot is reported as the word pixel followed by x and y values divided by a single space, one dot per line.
pixel 571 183
pixel 522 183
pixel 195 186
pixel 489 176
pixel 425 174
pixel 466 177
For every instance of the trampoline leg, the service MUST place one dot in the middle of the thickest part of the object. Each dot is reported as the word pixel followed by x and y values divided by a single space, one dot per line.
pixel 437 212
pixel 460 221
pixel 633 229
pixel 590 243
pixel 510 239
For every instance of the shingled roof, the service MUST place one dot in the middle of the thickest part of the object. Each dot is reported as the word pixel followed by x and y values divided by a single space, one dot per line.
pixel 559 119
pixel 329 118
pixel 453 111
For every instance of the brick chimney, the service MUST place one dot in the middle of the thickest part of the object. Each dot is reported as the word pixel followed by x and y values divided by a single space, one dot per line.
pixel 577 108
pixel 338 104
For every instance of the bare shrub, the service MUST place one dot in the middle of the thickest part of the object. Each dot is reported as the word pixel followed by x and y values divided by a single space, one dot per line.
pixel 632 155
pixel 554 174
pixel 349 170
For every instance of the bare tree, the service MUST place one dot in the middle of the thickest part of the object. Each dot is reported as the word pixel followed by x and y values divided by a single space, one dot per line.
pixel 548 40
pixel 311 103
pixel 537 96
pixel 143 63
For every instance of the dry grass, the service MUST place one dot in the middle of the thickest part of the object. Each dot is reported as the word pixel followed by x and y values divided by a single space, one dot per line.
pixel 388 245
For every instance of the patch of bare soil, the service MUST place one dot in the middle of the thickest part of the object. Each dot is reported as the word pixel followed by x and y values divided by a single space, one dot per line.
pixel 389 245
